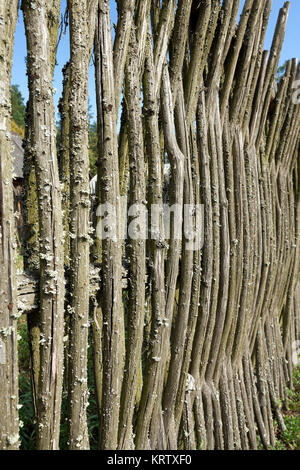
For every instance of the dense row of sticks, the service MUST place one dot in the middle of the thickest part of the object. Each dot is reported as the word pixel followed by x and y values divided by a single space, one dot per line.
pixel 197 350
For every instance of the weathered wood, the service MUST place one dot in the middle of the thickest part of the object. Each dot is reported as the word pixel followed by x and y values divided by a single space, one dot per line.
pixel 39 35
pixel 108 177
pixel 82 30
pixel 9 422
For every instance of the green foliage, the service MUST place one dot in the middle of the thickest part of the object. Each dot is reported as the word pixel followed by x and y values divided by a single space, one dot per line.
pixel 26 413
pixel 93 140
pixel 93 148
pixel 58 135
pixel 281 71
pixel 290 439
pixel 17 129
pixel 23 346
pixel 92 410
pixel 18 106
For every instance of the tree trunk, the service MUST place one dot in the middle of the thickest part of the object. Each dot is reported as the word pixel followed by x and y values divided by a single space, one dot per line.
pixel 41 24
pixel 9 420
pixel 108 176
pixel 82 19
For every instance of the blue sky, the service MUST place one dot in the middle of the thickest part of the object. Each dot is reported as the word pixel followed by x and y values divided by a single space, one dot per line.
pixel 291 48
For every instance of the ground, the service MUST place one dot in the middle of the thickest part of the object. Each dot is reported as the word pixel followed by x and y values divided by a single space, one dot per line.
pixel 290 440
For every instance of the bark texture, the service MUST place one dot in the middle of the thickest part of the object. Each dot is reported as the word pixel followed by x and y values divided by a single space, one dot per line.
pixel 41 24
pixel 82 28
pixel 9 421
